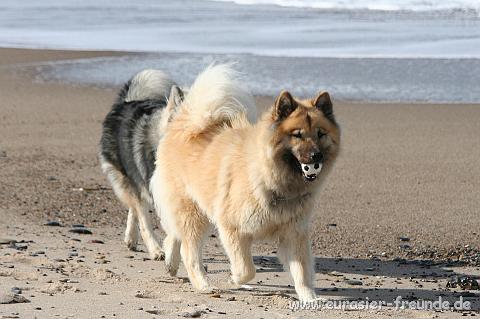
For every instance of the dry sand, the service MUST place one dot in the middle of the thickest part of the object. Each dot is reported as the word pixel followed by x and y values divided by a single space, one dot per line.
pixel 405 171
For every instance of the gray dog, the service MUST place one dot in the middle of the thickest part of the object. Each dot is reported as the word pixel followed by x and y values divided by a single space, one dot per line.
pixel 131 133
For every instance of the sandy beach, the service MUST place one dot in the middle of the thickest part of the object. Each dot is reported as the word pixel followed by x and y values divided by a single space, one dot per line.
pixel 399 216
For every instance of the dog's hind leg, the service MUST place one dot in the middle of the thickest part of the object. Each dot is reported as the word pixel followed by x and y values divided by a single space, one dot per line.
pixel 125 193
pixel 138 216
pixel 184 223
pixel 193 226
pixel 192 259
pixel 294 251
pixel 147 233
pixel 131 232
pixel 137 212
pixel 171 246
pixel 238 248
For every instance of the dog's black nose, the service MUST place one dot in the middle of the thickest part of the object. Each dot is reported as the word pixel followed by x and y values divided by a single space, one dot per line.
pixel 317 157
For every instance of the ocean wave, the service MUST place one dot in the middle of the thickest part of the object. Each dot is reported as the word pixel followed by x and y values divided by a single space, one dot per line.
pixel 374 5
pixel 227 28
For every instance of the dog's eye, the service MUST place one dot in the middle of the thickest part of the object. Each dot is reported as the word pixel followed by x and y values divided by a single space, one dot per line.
pixel 321 134
pixel 297 134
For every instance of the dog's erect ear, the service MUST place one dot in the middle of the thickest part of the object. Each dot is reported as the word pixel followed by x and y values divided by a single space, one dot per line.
pixel 324 104
pixel 176 95
pixel 284 106
pixel 174 101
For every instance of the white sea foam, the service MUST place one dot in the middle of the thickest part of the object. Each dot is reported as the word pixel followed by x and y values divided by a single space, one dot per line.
pixel 382 5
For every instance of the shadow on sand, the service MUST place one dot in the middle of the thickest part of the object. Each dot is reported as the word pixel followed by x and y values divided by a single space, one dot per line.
pixel 417 273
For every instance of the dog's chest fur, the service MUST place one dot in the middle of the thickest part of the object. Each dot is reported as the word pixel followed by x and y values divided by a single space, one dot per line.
pixel 270 213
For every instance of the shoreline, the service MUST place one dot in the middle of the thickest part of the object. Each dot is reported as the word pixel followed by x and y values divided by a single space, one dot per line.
pixel 89 68
pixel 85 52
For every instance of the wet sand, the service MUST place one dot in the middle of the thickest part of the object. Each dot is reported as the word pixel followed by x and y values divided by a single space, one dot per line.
pixel 406 170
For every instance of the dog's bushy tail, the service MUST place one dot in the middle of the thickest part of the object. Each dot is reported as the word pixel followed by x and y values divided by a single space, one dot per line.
pixel 146 85
pixel 216 97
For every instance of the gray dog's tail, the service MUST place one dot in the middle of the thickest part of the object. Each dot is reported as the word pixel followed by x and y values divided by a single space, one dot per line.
pixel 146 85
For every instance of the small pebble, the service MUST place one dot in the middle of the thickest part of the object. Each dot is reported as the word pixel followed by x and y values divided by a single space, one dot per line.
pixel 82 231
pixel 191 314
pixel 16 290
pixel 7 241
pixel 354 282
pixel 18 247
pixel 10 298
pixel 52 223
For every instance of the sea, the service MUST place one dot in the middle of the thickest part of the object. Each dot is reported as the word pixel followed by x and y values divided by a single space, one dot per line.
pixel 425 51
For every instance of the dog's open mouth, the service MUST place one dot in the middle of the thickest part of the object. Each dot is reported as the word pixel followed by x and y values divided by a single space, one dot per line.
pixel 311 171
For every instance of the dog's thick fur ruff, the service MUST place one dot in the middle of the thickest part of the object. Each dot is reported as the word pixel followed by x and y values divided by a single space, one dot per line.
pixel 214 166
pixel 131 133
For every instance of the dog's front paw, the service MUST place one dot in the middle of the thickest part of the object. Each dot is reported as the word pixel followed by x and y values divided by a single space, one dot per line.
pixel 306 294
pixel 157 254
pixel 131 240
pixel 209 290
pixel 171 269
pixel 131 244
pixel 243 277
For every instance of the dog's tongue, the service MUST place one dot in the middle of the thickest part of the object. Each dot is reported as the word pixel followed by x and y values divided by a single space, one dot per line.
pixel 311 171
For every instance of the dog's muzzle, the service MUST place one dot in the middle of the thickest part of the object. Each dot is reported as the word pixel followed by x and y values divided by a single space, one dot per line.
pixel 311 171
